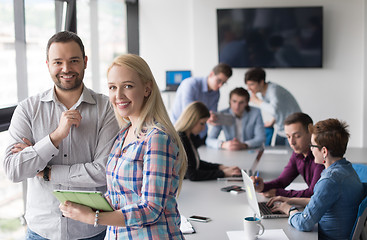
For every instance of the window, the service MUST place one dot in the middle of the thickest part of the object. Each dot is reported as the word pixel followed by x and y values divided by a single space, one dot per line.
pixel 104 36
pixel 8 82
pixel 38 31
pixel 11 201
pixel 102 27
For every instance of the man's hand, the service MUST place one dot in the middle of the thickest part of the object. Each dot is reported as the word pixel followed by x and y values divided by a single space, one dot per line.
pixel 269 123
pixel 258 183
pixel 212 119
pixel 255 100
pixel 280 204
pixel 277 199
pixel 68 119
pixel 234 145
pixel 281 207
pixel 20 146
pixel 40 174
pixel 270 193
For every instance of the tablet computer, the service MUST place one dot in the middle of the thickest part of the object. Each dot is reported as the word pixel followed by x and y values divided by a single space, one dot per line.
pixel 93 199
pixel 224 119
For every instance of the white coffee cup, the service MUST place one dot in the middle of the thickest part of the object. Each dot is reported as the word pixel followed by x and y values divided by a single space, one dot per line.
pixel 253 228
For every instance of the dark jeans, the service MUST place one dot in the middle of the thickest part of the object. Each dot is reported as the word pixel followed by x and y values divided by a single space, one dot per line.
pixel 34 236
pixel 269 135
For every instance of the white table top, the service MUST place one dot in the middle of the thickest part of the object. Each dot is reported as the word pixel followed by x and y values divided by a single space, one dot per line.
pixel 225 209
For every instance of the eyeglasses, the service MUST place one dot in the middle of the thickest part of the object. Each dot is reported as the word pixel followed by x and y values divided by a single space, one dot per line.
pixel 220 81
pixel 316 146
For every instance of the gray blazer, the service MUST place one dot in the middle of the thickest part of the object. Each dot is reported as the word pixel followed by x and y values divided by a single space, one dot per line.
pixel 252 127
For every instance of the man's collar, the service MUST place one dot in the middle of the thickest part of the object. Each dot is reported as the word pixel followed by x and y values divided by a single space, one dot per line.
pixel 234 115
pixel 205 84
pixel 308 157
pixel 86 97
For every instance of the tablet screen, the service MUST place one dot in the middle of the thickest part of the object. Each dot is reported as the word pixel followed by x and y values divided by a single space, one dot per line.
pixel 93 199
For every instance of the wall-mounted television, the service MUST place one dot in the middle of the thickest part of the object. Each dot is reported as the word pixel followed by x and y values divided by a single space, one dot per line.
pixel 276 37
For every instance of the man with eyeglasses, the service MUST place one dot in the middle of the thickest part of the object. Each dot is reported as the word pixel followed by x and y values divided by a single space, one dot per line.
pixel 203 89
pixel 301 162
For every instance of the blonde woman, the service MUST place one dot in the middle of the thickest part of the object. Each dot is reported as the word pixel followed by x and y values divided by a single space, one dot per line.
pixel 190 124
pixel 147 162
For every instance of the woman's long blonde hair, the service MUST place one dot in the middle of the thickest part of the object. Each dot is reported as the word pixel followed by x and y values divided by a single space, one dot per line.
pixel 191 115
pixel 153 110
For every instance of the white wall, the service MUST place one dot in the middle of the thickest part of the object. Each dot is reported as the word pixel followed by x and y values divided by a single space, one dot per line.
pixel 181 34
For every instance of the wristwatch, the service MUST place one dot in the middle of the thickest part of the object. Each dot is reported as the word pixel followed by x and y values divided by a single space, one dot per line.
pixel 292 209
pixel 46 173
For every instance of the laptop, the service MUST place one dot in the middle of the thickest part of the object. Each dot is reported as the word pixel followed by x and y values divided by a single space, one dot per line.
pixel 252 170
pixel 174 78
pixel 259 208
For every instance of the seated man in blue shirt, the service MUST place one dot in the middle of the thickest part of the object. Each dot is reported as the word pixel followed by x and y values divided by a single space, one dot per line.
pixel 247 129
pixel 203 89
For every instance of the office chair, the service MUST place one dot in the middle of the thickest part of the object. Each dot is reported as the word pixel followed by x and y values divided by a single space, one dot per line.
pixel 361 170
pixel 359 231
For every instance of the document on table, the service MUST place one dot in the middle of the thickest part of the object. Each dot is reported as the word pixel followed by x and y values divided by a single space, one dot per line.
pixel 297 186
pixel 269 234
pixel 186 226
pixel 276 151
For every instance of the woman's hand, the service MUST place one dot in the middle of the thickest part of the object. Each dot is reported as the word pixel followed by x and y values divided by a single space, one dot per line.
pixel 230 171
pixel 77 212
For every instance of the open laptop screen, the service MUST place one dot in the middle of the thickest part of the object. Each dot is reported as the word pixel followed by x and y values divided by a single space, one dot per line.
pixel 256 161
pixel 174 78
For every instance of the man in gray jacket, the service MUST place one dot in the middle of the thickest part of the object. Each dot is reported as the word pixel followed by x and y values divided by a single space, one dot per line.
pixel 246 130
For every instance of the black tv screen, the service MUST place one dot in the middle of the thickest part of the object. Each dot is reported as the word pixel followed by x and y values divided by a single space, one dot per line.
pixel 281 37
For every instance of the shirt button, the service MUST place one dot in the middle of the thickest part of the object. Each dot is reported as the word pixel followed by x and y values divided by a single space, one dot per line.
pixel 53 155
pixel 304 215
pixel 65 155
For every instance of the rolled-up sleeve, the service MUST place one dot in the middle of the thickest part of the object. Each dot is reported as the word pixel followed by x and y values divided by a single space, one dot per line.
pixel 325 196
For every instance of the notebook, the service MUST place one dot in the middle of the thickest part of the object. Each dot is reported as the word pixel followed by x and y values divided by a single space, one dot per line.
pixel 174 78
pixel 259 208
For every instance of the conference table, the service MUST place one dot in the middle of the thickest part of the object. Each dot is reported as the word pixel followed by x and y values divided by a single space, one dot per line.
pixel 227 210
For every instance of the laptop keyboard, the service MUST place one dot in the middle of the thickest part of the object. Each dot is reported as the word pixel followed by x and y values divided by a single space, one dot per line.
pixel 265 209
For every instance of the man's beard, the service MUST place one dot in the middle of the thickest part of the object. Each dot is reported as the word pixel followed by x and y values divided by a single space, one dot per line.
pixel 78 82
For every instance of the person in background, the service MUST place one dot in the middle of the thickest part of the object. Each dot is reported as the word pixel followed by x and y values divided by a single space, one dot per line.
pixel 146 165
pixel 192 122
pixel 203 89
pixel 337 194
pixel 60 140
pixel 301 162
pixel 247 129
pixel 276 100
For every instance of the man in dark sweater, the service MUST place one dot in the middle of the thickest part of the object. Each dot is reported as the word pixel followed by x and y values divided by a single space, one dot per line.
pixel 301 162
